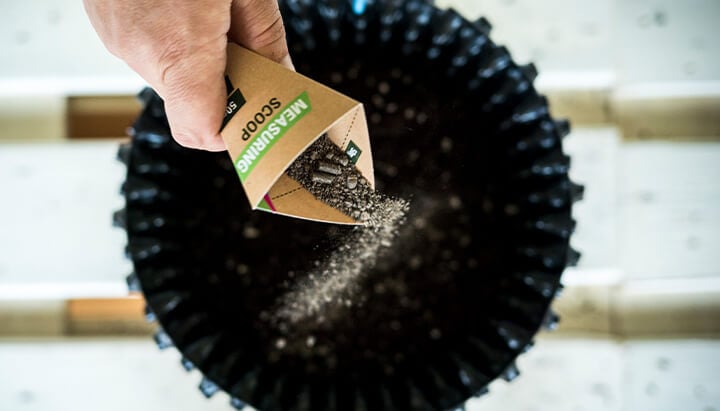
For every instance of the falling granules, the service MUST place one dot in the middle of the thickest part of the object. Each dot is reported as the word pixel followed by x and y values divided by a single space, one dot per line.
pixel 325 171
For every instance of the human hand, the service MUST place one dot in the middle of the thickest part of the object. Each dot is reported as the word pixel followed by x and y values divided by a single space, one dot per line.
pixel 179 48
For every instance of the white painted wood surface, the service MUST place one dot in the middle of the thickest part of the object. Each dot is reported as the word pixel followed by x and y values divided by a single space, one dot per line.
pixel 586 51
pixel 594 153
pixel 557 35
pixel 93 375
pixel 666 41
pixel 672 375
pixel 561 375
pixel 557 375
pixel 48 47
pixel 670 209
pixel 56 219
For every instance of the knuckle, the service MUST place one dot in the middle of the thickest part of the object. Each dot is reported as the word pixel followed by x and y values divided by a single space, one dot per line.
pixel 183 66
pixel 273 34
pixel 276 30
pixel 170 60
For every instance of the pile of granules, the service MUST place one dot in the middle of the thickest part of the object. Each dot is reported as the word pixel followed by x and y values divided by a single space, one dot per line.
pixel 325 171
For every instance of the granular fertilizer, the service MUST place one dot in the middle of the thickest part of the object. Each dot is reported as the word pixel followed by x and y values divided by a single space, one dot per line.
pixel 325 171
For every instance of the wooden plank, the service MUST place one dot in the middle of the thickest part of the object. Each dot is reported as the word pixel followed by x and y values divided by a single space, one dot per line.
pixel 678 112
pixel 675 112
pixel 100 116
pixel 667 307
pixel 32 318
pixel 603 306
pixel 581 106
pixel 585 310
pixel 107 316
pixel 32 118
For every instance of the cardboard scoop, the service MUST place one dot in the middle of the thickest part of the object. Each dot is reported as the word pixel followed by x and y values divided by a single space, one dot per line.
pixel 272 116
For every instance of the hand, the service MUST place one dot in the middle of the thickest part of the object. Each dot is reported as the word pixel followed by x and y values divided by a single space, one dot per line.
pixel 179 47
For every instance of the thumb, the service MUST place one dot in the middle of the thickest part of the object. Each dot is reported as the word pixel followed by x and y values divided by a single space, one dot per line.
pixel 258 25
pixel 194 93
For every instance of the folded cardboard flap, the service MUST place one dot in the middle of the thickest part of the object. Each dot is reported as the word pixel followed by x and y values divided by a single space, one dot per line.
pixel 272 116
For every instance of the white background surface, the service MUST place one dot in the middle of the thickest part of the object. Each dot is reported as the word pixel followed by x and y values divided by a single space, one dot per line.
pixel 49 44
pixel 557 375
pixel 57 218
pixel 652 210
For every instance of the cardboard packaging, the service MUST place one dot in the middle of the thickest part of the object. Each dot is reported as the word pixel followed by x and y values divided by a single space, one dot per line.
pixel 272 116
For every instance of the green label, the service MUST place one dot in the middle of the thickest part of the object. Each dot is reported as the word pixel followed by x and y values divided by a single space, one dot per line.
pixel 263 141
pixel 353 152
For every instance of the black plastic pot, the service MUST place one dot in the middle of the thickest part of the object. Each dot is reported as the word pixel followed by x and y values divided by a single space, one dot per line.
pixel 458 128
